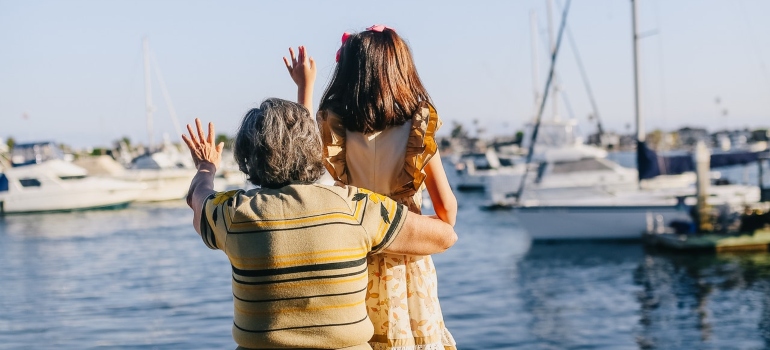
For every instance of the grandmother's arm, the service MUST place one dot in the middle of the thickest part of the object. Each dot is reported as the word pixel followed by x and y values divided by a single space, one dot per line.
pixel 206 154
pixel 202 187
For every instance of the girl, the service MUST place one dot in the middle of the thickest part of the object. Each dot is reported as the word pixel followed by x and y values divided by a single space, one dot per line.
pixel 378 124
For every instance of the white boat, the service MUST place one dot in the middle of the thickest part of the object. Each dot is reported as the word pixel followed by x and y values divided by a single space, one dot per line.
pixel 166 174
pixel 165 177
pixel 564 167
pixel 623 215
pixel 473 169
pixel 162 174
pixel 39 180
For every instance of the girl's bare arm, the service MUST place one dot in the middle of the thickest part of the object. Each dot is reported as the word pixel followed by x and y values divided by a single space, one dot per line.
pixel 303 71
pixel 444 201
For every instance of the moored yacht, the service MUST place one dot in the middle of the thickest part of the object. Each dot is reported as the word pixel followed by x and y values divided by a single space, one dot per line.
pixel 40 180
pixel 473 169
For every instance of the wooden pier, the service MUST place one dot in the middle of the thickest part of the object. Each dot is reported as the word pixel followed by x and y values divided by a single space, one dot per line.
pixel 711 242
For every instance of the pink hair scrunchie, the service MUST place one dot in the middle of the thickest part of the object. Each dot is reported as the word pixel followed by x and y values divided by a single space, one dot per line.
pixel 379 28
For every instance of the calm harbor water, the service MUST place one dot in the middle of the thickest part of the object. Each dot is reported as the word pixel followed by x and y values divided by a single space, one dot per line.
pixel 140 278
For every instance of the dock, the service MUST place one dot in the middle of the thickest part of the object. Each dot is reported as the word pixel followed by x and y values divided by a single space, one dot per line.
pixel 711 242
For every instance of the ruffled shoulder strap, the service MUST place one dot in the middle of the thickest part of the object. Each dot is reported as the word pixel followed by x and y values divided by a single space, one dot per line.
pixel 420 148
pixel 333 138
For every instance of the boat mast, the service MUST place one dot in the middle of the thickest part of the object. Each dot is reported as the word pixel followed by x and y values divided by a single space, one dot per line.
pixel 640 134
pixel 552 49
pixel 166 96
pixel 535 66
pixel 148 92
pixel 540 110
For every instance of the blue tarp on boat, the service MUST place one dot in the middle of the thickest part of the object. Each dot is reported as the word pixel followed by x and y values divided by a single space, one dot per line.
pixel 650 164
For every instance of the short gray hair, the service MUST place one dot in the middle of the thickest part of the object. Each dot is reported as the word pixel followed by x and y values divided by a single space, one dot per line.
pixel 278 143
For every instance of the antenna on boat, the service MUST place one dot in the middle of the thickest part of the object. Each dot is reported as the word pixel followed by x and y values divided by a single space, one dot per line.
pixel 539 117
pixel 640 134
pixel 148 92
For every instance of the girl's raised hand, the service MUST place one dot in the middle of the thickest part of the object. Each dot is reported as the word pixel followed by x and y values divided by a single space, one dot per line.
pixel 301 68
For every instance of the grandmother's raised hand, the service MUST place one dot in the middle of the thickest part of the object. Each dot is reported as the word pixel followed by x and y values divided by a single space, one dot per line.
pixel 202 149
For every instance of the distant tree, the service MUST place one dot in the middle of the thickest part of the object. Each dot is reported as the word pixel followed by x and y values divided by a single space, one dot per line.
pixel 458 131
pixel 126 140
pixel 65 148
pixel 654 138
pixel 11 142
pixel 519 137
pixel 226 139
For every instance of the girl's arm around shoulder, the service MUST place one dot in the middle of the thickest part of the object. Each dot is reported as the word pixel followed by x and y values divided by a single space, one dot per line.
pixel 444 201
pixel 422 235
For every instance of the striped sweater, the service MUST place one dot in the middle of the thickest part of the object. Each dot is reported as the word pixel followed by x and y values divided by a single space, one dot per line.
pixel 298 256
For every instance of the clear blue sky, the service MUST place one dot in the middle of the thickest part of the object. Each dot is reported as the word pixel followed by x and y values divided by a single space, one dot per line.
pixel 75 66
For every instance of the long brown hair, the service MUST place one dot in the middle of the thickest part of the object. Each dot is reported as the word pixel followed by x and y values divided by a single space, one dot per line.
pixel 375 84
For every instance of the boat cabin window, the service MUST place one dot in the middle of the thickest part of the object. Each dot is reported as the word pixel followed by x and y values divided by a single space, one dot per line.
pixel 35 153
pixel 506 162
pixel 588 164
pixel 552 134
pixel 30 182
pixel 3 183
pixel 479 161
pixel 73 177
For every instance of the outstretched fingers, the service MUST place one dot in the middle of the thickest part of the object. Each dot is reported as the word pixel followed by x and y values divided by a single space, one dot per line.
pixel 188 142
pixel 302 56
pixel 211 133
pixel 192 134
pixel 200 130
pixel 288 65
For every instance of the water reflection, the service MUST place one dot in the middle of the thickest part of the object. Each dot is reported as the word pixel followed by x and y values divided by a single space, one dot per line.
pixel 620 296
pixel 580 295
pixel 717 301
pixel 62 225
pixel 135 278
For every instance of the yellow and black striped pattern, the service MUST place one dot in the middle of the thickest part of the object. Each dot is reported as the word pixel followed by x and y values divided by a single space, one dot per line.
pixel 298 257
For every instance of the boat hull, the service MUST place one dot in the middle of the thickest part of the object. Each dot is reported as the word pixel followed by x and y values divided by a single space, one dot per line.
pixel 161 184
pixel 594 222
pixel 82 195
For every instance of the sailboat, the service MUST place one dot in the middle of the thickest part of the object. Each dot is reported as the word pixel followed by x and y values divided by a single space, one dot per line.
pixel 163 169
pixel 603 207
pixel 565 164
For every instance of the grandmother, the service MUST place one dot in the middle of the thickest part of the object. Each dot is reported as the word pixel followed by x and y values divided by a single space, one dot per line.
pixel 297 248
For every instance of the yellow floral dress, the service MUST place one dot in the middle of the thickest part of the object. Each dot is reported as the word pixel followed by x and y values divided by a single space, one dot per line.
pixel 402 299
